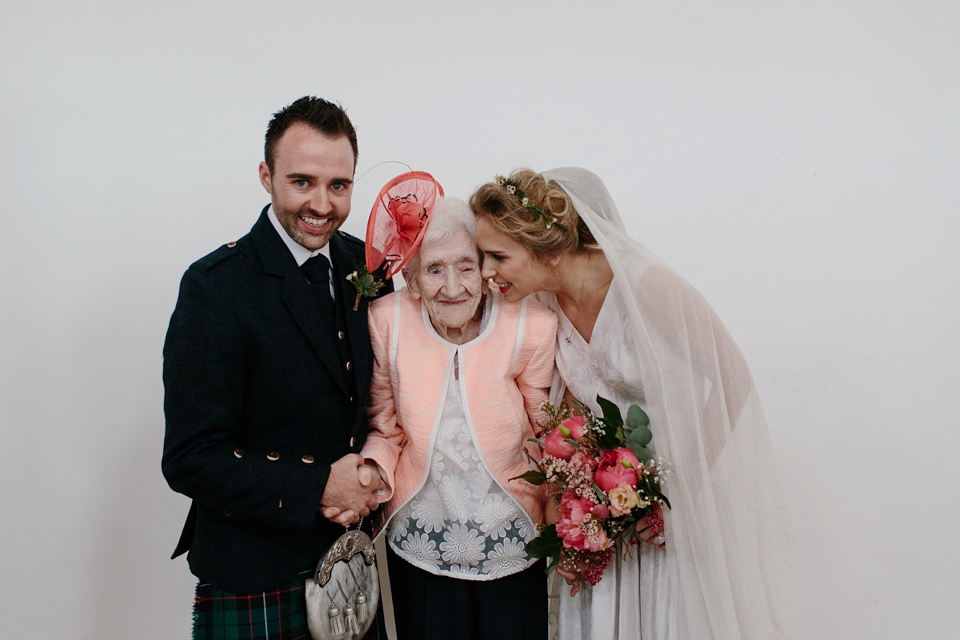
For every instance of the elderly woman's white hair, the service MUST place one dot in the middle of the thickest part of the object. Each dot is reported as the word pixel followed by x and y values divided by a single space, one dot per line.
pixel 449 216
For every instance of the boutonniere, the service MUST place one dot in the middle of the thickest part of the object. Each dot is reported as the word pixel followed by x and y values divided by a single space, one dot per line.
pixel 366 285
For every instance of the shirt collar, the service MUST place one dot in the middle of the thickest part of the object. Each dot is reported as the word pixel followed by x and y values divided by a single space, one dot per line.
pixel 300 253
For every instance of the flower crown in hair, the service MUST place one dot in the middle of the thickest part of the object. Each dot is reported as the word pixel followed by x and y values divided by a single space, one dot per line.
pixel 511 187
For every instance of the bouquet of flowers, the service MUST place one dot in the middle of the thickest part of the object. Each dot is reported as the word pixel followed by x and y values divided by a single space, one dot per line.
pixel 605 478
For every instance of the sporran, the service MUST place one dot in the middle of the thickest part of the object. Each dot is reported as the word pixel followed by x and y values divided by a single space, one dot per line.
pixel 343 593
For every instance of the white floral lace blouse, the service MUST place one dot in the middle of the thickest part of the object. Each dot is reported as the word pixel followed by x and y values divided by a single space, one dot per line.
pixel 461 523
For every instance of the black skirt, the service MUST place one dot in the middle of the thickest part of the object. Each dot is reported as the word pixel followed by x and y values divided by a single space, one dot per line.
pixel 432 607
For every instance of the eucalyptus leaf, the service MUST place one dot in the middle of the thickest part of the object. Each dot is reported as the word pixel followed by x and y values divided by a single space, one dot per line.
pixel 637 417
pixel 641 436
pixel 642 453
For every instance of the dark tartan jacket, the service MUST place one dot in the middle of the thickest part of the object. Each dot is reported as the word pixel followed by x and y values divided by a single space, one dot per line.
pixel 258 406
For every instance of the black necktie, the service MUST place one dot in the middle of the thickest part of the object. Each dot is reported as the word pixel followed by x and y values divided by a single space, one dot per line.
pixel 317 270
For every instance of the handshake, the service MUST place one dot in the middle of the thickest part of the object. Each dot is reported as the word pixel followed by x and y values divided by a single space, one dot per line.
pixel 353 490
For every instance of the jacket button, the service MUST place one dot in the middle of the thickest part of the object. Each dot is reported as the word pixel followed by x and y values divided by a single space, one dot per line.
pixel 231 244
pixel 273 456
pixel 307 459
pixel 239 453
pixel 227 514
pixel 349 366
pixel 341 335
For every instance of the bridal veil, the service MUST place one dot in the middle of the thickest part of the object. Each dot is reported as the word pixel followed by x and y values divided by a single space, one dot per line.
pixel 721 577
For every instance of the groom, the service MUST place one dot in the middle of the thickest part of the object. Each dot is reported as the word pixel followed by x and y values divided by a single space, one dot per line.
pixel 266 367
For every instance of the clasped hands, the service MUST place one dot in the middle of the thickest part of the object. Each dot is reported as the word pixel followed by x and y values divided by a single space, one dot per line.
pixel 353 490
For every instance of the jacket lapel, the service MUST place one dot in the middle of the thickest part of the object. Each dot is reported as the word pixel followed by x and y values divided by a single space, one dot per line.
pixel 317 328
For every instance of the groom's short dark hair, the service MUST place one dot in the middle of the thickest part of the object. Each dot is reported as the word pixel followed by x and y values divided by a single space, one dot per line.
pixel 326 117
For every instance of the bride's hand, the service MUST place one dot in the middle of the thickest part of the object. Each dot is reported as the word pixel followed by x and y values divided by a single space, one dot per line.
pixel 650 529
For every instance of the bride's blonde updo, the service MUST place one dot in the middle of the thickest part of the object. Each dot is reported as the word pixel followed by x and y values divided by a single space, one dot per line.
pixel 507 213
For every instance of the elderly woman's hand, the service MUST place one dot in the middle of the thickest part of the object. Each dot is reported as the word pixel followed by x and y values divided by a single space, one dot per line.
pixel 371 488
pixel 572 578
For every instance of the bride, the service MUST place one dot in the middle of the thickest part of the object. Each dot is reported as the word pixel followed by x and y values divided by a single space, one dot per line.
pixel 633 331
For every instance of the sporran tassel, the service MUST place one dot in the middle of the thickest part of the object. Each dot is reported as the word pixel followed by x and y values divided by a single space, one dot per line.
pixel 352 627
pixel 336 622
pixel 363 611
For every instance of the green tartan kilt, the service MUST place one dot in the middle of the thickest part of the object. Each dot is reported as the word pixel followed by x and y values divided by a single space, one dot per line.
pixel 280 614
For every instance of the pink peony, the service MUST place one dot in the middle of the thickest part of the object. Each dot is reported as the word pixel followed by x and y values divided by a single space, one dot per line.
pixel 601 511
pixel 617 467
pixel 578 526
pixel 555 445
pixel 575 426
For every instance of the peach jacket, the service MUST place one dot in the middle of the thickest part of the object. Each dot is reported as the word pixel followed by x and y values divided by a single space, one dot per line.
pixel 505 373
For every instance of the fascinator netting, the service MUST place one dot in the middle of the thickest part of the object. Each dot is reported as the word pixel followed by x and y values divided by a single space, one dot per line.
pixel 399 220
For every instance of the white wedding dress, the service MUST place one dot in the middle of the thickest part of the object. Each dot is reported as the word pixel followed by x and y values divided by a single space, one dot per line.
pixel 657 343
pixel 605 367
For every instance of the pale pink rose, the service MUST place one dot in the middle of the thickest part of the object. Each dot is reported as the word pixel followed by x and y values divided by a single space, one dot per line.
pixel 555 445
pixel 617 466
pixel 575 427
pixel 623 499
pixel 576 524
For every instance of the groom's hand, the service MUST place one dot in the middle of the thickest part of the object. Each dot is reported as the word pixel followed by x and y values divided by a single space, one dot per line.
pixel 370 477
pixel 351 490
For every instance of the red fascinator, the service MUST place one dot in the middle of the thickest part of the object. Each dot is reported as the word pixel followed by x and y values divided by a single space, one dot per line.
pixel 399 219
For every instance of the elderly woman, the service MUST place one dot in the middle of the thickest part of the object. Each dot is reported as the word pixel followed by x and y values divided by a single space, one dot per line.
pixel 459 377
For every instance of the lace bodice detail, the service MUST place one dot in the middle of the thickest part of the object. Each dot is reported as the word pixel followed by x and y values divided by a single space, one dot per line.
pixel 461 523
pixel 605 365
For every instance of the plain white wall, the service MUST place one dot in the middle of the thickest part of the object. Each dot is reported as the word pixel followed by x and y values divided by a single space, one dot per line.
pixel 796 161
